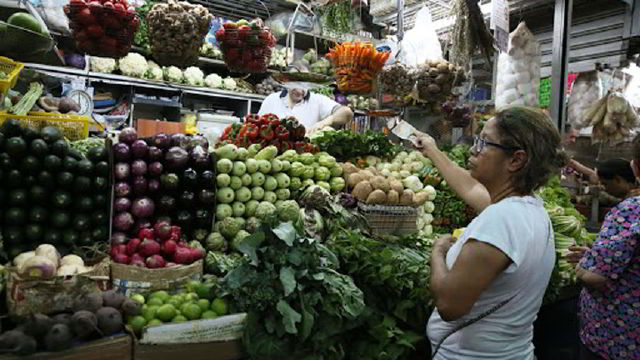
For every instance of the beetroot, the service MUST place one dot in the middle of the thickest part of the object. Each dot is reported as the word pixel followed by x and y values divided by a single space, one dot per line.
pixel 155 168
pixel 84 324
pixel 128 135
pixel 122 204
pixel 113 299
pixel 58 338
pixel 139 168
pixel 122 259
pixel 132 246
pixel 149 248
pixel 143 207
pixel 196 254
pixel 123 221
pixel 90 302
pixel 122 189
pixel 121 152
pixel 162 230
pixel 118 249
pixel 155 262
pixel 169 247
pixel 139 149
pixel 182 255
pixel 109 321
pixel 131 307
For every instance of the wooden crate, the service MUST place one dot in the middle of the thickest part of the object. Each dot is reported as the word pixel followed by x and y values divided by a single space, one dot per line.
pixel 118 347
pixel 224 350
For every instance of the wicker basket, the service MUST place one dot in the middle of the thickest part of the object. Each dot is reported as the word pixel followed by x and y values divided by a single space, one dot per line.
pixel 393 220
pixel 73 127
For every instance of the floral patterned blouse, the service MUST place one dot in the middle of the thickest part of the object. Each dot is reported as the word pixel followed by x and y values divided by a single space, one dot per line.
pixel 610 318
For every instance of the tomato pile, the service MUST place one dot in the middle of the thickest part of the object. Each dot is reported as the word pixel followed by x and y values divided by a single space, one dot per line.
pixel 268 130
pixel 102 27
pixel 246 46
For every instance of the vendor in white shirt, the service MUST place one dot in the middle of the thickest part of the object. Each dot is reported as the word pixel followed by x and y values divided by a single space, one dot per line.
pixel 314 111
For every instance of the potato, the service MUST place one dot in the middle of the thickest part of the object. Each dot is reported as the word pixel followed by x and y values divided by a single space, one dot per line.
pixel 406 198
pixel 348 169
pixel 354 179
pixel 393 198
pixel 380 183
pixel 396 185
pixel 377 197
pixel 366 174
pixel 420 198
pixel 362 190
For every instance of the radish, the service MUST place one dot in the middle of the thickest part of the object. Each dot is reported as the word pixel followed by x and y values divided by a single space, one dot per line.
pixel 132 246
pixel 149 247
pixel 118 249
pixel 122 258
pixel 162 230
pixel 183 244
pixel 169 247
pixel 155 262
pixel 182 255
pixel 196 254
pixel 137 257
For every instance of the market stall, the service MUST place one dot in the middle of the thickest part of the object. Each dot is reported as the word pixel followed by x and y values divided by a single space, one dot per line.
pixel 147 209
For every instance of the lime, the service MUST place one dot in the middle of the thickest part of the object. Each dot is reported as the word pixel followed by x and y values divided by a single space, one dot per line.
pixel 166 312
pixel 154 322
pixel 139 298
pixel 220 307
pixel 179 319
pixel 155 301
pixel 209 315
pixel 137 323
pixel 162 295
pixel 192 285
pixel 150 312
pixel 204 291
pixel 204 304
pixel 192 311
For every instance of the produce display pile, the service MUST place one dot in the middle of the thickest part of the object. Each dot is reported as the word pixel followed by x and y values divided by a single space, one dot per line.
pixel 356 65
pixel 94 316
pixel 612 118
pixel 246 46
pixel 103 28
pixel 163 177
pixel 44 263
pixel 436 78
pixel 177 30
pixel 347 145
pixel 51 193
pixel 397 79
pixel 268 129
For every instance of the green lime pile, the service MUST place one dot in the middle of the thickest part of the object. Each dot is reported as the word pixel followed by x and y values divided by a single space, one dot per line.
pixel 197 302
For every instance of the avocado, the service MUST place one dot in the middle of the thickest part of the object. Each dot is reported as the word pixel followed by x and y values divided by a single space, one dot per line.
pixel 65 180
pixel 100 200
pixel 13 235
pixel 38 194
pixel 99 218
pixel 6 162
pixel 60 219
pixel 51 134
pixel 70 237
pixel 76 154
pixel 16 147
pixel 14 178
pixel 11 127
pixel 100 233
pixel 62 199
pixel 97 153
pixel 46 180
pixel 85 167
pixel 102 168
pixel 39 148
pixel 82 184
pixel 81 222
pixel 60 148
pixel 69 164
pixel 52 236
pixel 100 183
pixel 84 204
pixel 52 163
pixel 29 133
pixel 85 239
pixel 31 165
pixel 30 180
pixel 33 232
pixel 15 216
pixel 18 197
pixel 38 215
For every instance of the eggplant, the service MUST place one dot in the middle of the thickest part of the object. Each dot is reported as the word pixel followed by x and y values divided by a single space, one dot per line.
pixel 203 219
pixel 128 136
pixel 161 141
pixel 184 219
pixel 200 158
pixel 207 179
pixel 154 153
pixel 176 158
pixel 166 204
pixel 189 178
pixel 186 199
pixel 207 197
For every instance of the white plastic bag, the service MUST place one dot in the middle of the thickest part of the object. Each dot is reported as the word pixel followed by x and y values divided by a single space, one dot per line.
pixel 586 90
pixel 421 43
pixel 518 78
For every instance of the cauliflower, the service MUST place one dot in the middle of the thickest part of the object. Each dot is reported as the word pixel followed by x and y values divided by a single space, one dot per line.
pixel 102 65
pixel 213 81
pixel 412 183
pixel 193 76
pixel 266 211
pixel 289 211
pixel 172 74
pixel 431 191
pixel 133 64
pixel 229 84
pixel 154 72
pixel 230 227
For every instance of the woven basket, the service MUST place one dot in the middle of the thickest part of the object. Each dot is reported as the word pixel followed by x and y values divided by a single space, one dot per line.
pixel 390 220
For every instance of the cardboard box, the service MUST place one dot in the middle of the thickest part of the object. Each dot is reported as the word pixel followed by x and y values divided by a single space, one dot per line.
pixel 221 329
pixel 56 295
pixel 222 350
pixel 118 347
pixel 129 279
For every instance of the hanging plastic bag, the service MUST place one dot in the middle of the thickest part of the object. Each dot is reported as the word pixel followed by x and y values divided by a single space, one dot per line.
pixel 518 78
pixel 53 15
pixel 632 92
pixel 586 90
pixel 421 43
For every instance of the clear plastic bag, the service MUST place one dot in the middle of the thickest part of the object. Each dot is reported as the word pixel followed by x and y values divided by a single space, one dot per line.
pixel 279 23
pixel 586 90
pixel 52 14
pixel 421 43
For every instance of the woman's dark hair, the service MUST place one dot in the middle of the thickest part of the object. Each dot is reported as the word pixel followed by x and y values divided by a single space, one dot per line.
pixel 531 130
pixel 616 167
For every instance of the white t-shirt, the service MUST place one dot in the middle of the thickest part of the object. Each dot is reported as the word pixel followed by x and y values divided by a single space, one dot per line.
pixel 520 228
pixel 308 112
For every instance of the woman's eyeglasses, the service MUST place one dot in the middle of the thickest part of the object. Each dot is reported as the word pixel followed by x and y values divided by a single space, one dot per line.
pixel 479 145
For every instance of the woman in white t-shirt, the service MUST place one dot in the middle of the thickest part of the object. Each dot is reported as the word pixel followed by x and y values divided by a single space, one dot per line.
pixel 488 286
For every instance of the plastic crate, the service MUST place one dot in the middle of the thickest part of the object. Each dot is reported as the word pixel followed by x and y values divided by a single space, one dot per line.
pixel 12 69
pixel 73 127
pixel 385 219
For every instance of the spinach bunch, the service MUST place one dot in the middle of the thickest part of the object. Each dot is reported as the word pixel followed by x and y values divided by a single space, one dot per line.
pixel 346 144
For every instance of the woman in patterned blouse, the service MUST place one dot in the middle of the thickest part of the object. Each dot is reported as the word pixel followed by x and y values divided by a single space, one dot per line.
pixel 610 271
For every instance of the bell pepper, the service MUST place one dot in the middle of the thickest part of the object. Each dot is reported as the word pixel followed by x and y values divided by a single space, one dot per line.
pixel 299 132
pixel 308 148
pixel 282 133
pixel 266 132
pixel 267 118
pixel 146 234
pixel 286 145
pixel 252 131
pixel 274 123
pixel 252 119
